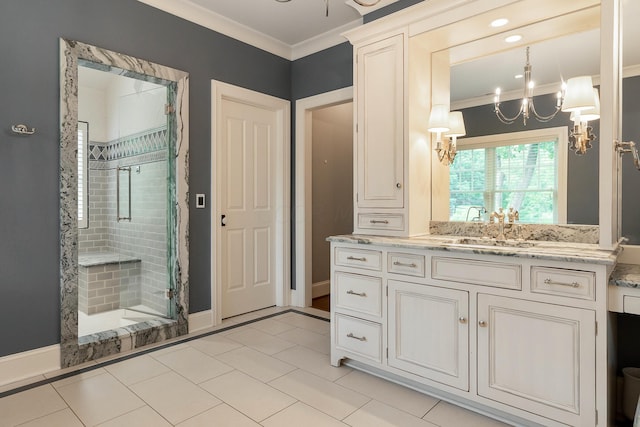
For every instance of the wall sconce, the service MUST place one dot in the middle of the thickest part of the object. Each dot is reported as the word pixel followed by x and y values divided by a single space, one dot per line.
pixel 452 125
pixel 456 129
pixel 439 123
pixel 582 101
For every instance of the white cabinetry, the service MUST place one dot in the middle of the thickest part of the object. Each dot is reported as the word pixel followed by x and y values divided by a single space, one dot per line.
pixel 384 180
pixel 537 357
pixel 508 335
pixel 429 332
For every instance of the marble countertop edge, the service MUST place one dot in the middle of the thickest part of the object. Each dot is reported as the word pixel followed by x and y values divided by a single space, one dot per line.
pixel 553 251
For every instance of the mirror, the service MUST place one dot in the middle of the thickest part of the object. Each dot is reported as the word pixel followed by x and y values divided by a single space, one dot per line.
pixel 124 203
pixel 630 120
pixel 470 59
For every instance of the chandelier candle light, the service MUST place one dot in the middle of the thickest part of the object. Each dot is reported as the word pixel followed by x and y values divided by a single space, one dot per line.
pixel 527 107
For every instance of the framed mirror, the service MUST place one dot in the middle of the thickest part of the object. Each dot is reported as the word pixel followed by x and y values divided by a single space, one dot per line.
pixel 468 60
pixel 124 274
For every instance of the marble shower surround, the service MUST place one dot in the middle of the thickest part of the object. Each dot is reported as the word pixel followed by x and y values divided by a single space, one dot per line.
pixel 91 347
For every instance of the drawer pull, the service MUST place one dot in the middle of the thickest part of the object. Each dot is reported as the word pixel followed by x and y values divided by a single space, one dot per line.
pixel 379 221
pixel 402 264
pixel 462 319
pixel 350 292
pixel 353 258
pixel 350 335
pixel 551 282
pixel 482 323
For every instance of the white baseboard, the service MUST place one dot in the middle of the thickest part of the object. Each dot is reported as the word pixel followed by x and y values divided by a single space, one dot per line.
pixel 630 254
pixel 321 289
pixel 28 364
pixel 200 320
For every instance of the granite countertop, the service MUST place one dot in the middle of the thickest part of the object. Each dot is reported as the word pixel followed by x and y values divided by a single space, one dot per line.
pixel 554 251
pixel 626 275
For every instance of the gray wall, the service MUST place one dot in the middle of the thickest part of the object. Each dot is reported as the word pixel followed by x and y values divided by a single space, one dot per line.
pixel 29 75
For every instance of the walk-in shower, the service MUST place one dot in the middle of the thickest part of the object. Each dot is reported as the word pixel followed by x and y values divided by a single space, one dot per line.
pixel 123 202
pixel 122 208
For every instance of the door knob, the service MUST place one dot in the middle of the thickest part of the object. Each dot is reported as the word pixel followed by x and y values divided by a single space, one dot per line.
pixel 223 220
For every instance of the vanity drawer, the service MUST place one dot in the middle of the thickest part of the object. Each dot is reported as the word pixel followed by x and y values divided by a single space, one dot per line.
pixel 360 337
pixel 370 221
pixel 359 258
pixel 359 293
pixel 567 283
pixel 406 264
pixel 487 273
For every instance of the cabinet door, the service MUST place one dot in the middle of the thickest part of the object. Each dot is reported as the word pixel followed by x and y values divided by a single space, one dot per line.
pixel 380 120
pixel 537 357
pixel 429 333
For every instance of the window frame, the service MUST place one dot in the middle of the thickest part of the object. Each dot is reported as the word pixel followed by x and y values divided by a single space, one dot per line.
pixel 558 134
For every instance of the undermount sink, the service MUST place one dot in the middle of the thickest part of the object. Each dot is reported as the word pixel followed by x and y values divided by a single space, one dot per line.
pixel 474 241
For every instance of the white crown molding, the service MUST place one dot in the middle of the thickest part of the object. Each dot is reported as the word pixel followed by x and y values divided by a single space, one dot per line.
pixel 323 41
pixel 197 14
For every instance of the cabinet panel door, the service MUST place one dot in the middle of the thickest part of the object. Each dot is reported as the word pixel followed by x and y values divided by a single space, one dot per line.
pixel 429 333
pixel 380 115
pixel 537 357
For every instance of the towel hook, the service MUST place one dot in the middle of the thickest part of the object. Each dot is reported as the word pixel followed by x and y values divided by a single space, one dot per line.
pixel 23 130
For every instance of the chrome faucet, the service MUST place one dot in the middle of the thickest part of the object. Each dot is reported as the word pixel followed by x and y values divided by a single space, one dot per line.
pixel 481 210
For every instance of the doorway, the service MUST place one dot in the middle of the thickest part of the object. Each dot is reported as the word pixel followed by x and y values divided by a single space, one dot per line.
pixel 313 220
pixel 249 219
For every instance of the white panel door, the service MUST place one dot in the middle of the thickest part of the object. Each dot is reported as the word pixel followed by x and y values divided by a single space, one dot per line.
pixel 247 186
pixel 429 332
pixel 538 357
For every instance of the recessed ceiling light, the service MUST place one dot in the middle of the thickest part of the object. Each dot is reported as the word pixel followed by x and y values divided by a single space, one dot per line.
pixel 514 38
pixel 501 22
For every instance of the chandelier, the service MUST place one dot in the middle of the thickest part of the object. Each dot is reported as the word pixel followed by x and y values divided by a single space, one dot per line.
pixel 527 107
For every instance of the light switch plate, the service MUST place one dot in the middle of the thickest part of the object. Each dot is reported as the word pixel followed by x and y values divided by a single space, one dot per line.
pixel 200 201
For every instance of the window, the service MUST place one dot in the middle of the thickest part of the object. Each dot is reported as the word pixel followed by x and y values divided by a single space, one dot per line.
pixel 83 176
pixel 523 170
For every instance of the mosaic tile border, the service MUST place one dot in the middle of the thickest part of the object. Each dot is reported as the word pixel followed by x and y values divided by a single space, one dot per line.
pixel 140 143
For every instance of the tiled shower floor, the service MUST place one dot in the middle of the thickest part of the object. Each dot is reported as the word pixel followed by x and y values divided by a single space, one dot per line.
pixel 254 371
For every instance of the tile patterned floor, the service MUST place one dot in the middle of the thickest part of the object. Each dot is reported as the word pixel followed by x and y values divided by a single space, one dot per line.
pixel 273 372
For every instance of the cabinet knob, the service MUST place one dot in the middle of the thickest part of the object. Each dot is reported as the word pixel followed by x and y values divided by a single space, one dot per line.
pixel 482 323
pixel 462 319
pixel 398 185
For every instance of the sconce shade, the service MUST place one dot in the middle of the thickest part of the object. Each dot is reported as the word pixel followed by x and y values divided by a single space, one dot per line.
pixel 591 113
pixel 579 94
pixel 456 124
pixel 439 118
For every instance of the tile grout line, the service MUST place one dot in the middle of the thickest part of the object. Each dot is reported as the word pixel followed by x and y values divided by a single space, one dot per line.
pixel 151 350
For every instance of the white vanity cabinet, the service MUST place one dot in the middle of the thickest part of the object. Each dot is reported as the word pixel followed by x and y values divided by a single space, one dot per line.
pixel 384 181
pixel 428 332
pixel 538 357
pixel 508 335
